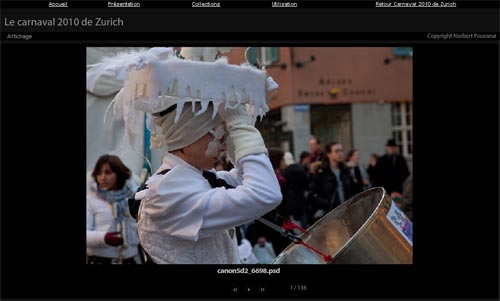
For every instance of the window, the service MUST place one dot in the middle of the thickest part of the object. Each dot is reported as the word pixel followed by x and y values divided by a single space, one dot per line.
pixel 402 127
pixel 262 55
pixel 402 51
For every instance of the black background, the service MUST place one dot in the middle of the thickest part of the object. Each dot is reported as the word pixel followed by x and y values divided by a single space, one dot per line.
pixel 456 184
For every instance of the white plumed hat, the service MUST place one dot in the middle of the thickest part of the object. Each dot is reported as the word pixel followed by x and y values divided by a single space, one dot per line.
pixel 157 79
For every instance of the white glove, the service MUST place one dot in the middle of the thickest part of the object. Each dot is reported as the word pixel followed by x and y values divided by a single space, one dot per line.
pixel 244 139
pixel 230 150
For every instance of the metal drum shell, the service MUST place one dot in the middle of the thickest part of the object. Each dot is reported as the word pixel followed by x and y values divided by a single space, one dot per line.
pixel 356 232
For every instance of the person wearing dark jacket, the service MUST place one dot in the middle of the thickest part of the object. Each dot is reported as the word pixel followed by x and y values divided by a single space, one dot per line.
pixel 371 168
pixel 332 183
pixel 294 192
pixel 391 169
pixel 361 180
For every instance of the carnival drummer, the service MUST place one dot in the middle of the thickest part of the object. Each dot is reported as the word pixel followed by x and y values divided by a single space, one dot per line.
pixel 182 219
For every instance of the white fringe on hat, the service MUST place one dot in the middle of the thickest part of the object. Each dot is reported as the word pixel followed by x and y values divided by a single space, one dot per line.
pixel 155 80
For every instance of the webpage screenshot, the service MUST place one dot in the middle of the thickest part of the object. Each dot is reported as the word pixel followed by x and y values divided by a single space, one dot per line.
pixel 249 149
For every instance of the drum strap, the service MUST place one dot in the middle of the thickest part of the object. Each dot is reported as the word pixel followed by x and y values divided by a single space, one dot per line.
pixel 285 231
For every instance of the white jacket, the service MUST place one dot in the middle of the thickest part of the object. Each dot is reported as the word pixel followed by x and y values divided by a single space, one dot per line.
pixel 100 220
pixel 183 220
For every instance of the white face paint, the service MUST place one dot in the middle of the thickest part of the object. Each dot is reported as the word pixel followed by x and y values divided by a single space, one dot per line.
pixel 215 146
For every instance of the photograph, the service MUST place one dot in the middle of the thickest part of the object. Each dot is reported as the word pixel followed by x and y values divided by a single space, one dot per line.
pixel 249 155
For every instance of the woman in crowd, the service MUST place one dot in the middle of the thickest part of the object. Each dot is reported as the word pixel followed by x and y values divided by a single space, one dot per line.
pixel 111 232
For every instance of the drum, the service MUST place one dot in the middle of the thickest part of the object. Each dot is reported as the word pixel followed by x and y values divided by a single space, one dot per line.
pixel 367 229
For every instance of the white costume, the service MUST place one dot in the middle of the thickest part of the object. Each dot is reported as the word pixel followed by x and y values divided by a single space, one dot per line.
pixel 182 219
pixel 100 220
pixel 182 223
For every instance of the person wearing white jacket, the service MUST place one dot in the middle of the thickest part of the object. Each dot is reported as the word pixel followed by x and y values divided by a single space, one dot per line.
pixel 182 219
pixel 111 232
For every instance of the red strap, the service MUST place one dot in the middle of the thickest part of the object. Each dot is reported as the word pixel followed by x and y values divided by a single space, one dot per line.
pixel 326 257
pixel 289 226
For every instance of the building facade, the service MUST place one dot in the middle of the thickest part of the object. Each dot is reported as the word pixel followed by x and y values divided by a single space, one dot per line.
pixel 358 96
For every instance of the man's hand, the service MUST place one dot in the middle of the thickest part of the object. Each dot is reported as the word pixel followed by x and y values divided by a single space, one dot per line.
pixel 243 139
